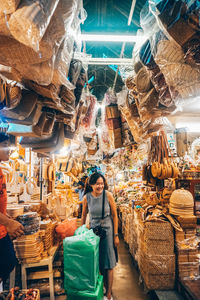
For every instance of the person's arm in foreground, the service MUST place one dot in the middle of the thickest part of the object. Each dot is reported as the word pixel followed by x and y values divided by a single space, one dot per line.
pixel 14 228
pixel 114 216
pixel 84 211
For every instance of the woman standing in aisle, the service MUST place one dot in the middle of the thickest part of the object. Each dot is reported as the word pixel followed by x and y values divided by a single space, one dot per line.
pixel 95 194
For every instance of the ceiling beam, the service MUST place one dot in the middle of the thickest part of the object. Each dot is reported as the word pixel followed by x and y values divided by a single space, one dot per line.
pixel 131 12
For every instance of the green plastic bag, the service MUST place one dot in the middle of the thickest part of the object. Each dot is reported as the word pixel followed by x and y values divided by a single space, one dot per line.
pixel 80 295
pixel 81 262
pixel 81 230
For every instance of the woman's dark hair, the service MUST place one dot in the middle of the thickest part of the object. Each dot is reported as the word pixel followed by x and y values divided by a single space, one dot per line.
pixel 92 180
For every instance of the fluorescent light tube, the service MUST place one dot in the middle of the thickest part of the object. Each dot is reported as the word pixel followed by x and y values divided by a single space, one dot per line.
pixel 111 38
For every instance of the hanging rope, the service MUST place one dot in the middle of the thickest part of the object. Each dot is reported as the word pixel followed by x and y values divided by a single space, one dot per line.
pixel 116 75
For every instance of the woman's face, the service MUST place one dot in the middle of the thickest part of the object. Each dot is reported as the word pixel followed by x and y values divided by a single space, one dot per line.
pixel 98 186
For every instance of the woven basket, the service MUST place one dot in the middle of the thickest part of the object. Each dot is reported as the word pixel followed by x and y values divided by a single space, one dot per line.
pixel 157 247
pixel 161 231
pixel 41 73
pixel 4 30
pixel 9 6
pixel 159 282
pixel 159 264
pixel 130 82
pixel 180 75
pixel 12 52
pixel 189 91
pixel 29 23
pixel 10 73
pixel 142 81
pixel 168 51
pixel 149 100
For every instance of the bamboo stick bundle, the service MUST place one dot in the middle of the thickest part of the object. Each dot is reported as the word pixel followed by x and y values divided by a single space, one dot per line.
pixel 29 23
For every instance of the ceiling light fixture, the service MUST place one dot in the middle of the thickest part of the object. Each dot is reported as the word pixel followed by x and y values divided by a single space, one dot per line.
pixel 112 38
pixel 109 61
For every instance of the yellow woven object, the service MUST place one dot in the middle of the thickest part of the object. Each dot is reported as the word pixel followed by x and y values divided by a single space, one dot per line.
pixel 4 30
pixel 9 6
pixel 12 52
pixel 41 73
pixel 168 51
pixel 29 23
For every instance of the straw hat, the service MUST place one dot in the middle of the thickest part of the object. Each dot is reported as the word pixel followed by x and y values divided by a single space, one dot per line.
pixel 181 203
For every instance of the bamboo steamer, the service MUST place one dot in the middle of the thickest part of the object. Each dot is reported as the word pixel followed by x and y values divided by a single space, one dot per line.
pixel 29 23
pixel 9 6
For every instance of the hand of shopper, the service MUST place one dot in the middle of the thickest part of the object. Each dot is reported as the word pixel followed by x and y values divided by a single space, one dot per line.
pixel 14 228
pixel 116 241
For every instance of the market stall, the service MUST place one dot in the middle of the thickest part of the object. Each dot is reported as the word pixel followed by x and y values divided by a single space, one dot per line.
pixel 61 131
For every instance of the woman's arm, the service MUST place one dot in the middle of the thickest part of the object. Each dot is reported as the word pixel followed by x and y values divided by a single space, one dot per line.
pixel 114 216
pixel 14 228
pixel 84 211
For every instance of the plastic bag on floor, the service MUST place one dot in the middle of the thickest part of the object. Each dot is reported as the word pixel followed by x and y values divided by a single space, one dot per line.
pixel 81 262
pixel 67 228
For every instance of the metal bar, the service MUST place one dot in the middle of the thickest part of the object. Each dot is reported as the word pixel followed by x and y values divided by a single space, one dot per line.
pixel 109 61
pixel 41 179
pixel 131 12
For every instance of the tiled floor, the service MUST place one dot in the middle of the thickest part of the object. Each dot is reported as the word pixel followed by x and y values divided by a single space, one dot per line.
pixel 126 281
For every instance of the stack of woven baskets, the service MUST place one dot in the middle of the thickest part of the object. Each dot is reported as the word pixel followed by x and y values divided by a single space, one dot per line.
pixel 156 255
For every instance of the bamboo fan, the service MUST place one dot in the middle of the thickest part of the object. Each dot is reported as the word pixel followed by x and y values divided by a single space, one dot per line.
pixel 29 23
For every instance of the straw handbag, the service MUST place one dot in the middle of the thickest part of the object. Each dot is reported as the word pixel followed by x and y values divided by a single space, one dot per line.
pixel 25 106
pixel 49 124
pixel 32 119
pixel 50 91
